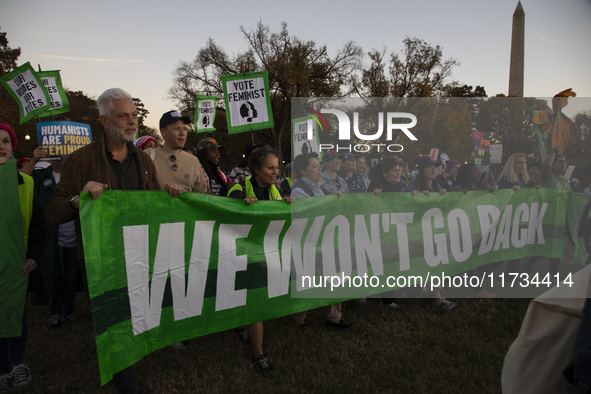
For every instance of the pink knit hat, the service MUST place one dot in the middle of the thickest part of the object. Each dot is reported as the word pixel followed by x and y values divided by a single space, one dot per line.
pixel 140 142
pixel 10 133
pixel 450 163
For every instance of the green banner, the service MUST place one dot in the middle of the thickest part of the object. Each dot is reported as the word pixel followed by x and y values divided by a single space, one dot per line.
pixel 162 269
pixel 57 96
pixel 248 104
pixel 13 286
pixel 205 113
pixel 25 86
pixel 574 210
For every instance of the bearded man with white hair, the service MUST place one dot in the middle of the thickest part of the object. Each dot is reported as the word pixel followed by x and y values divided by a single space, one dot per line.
pixel 111 162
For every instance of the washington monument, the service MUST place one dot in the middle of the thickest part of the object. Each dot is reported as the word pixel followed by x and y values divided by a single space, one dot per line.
pixel 517 44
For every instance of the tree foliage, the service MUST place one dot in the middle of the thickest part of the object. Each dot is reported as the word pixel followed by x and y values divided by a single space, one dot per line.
pixel 8 56
pixel 297 68
pixel 509 120
pixel 418 70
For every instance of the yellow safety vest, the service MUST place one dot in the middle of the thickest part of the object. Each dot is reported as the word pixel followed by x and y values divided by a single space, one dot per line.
pixel 25 195
pixel 273 192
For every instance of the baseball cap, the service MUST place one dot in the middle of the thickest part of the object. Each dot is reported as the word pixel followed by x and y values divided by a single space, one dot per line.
pixel 207 143
pixel 172 116
pixel 331 155
pixel 349 156
pixel 427 162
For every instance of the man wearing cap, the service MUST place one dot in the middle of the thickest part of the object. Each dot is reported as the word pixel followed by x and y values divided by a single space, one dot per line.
pixel 331 180
pixel 354 180
pixel 173 165
pixel 208 153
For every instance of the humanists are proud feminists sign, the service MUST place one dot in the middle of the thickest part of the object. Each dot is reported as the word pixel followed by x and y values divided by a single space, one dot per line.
pixel 165 269
pixel 61 138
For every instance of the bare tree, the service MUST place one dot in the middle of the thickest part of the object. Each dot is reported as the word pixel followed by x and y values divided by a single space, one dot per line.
pixel 297 68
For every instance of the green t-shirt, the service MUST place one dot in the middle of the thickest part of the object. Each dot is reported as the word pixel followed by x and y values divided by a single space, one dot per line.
pixel 553 181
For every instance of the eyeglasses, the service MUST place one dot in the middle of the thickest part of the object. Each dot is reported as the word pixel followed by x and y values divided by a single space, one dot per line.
pixel 560 161
pixel 175 167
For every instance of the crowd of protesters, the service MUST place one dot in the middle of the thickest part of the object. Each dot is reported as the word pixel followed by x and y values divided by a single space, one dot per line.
pixel 51 226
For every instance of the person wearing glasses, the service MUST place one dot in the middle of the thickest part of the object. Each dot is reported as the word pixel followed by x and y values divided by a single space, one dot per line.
pixel 331 180
pixel 175 167
pixel 553 169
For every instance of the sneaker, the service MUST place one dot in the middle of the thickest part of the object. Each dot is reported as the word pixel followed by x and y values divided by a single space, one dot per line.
pixel 261 364
pixel 55 321
pixel 71 317
pixel 5 382
pixel 21 375
pixel 485 294
pixel 443 304
pixel 242 334
pixel 341 325
pixel 178 346
pixel 394 306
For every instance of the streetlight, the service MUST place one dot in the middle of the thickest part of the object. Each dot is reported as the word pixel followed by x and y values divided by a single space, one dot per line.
pixel 27 137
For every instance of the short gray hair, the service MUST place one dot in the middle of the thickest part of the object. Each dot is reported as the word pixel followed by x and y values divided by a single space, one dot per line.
pixel 105 100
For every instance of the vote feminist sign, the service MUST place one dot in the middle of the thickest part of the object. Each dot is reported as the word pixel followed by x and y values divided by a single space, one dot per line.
pixel 248 106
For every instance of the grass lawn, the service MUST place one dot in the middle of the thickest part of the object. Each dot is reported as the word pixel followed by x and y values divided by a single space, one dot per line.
pixel 414 350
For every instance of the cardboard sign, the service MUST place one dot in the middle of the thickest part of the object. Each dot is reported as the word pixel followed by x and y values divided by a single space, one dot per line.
pixel 248 105
pixel 300 140
pixel 62 138
pixel 25 86
pixel 569 172
pixel 481 141
pixel 496 153
pixel 434 153
pixel 205 113
pixel 57 96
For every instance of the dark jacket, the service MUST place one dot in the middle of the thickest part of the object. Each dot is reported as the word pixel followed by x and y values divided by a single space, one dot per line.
pixel 505 184
pixel 387 187
pixel 87 164
pixel 50 265
pixel 301 184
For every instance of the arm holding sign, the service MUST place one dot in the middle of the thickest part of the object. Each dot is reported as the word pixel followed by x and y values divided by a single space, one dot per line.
pixel 39 153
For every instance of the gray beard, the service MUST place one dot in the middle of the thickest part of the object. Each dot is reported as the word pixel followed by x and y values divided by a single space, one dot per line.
pixel 118 136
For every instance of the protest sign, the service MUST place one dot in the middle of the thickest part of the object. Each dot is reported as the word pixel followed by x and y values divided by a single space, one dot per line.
pixel 57 96
pixel 205 113
pixel 248 105
pixel 61 138
pixel 189 266
pixel 13 286
pixel 305 136
pixel 481 141
pixel 496 153
pixel 25 86
pixel 434 153
pixel 569 172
